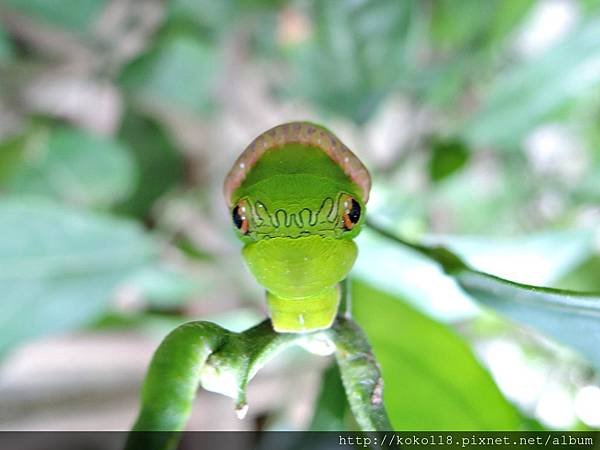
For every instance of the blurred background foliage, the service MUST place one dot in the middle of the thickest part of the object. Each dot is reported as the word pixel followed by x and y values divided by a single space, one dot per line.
pixel 480 122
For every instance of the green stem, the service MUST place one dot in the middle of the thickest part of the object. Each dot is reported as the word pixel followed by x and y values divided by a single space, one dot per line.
pixel 171 383
pixel 481 285
pixel 222 361
pixel 241 357
pixel 195 353
pixel 449 261
pixel 361 375
pixel 174 375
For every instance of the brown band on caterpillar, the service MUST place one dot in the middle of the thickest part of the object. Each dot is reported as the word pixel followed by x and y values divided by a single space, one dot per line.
pixel 304 133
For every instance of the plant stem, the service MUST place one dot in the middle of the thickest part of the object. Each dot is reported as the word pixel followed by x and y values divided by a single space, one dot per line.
pixel 450 263
pixel 361 375
pixel 171 383
pixel 222 361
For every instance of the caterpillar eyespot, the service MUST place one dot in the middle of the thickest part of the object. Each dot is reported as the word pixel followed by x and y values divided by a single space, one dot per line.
pixel 351 211
pixel 239 215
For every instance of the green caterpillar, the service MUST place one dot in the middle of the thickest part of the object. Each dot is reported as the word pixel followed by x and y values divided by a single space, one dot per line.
pixel 297 197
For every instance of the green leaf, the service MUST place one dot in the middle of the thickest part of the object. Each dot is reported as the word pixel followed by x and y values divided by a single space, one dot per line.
pixel 571 318
pixel 358 53
pixel 59 267
pixel 179 71
pixel 527 94
pixel 76 15
pixel 447 158
pixel 68 165
pixel 160 167
pixel 432 381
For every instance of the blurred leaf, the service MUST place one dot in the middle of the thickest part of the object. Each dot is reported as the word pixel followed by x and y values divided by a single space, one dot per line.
pixel 358 52
pixel 265 37
pixel 59 267
pixel 509 15
pixel 67 164
pixel 331 408
pixel 490 198
pixel 476 23
pixel 190 249
pixel 432 381
pixel 163 288
pixel 590 6
pixel 446 158
pixel 6 49
pixel 11 153
pixel 441 83
pixel 76 15
pixel 213 19
pixel 531 91
pixel 466 43
pixel 207 14
pixel 572 318
pixel 160 166
pixel 588 188
pixel 453 27
pixel 179 71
